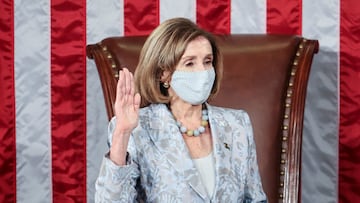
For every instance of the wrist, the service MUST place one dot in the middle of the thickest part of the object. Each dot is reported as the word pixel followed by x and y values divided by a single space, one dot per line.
pixel 118 156
pixel 118 149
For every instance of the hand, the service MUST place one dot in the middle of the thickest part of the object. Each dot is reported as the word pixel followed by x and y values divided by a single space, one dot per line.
pixel 126 108
pixel 127 103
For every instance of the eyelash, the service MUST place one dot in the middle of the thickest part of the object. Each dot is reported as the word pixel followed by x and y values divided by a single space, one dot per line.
pixel 208 62
pixel 191 63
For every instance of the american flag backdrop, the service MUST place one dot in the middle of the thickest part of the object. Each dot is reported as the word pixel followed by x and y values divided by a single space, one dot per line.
pixel 53 122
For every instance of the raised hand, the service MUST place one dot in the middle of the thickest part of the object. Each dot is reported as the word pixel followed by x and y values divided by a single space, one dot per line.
pixel 126 107
pixel 127 103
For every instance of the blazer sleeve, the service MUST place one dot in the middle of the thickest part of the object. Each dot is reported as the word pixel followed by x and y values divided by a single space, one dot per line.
pixel 253 190
pixel 117 183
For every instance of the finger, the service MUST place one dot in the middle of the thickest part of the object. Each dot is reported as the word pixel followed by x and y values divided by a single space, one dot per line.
pixel 129 96
pixel 119 94
pixel 137 100
pixel 119 85
pixel 132 84
pixel 127 81
pixel 123 82
pixel 131 88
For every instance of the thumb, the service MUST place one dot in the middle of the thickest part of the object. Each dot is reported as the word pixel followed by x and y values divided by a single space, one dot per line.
pixel 137 99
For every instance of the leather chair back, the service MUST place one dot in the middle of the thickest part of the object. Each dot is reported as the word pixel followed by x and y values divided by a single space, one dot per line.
pixel 266 75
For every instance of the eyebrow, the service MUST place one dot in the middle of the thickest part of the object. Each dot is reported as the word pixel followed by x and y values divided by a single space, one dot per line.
pixel 192 57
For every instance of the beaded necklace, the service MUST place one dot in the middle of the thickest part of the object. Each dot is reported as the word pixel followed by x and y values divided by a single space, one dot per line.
pixel 198 131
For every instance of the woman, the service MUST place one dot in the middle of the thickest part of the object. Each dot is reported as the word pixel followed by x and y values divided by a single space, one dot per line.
pixel 177 148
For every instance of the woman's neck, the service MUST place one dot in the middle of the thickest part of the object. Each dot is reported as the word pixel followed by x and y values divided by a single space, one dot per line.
pixel 186 113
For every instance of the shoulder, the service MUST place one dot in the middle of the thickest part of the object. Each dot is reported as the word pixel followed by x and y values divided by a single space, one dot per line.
pixel 153 119
pixel 145 115
pixel 230 114
pixel 149 117
pixel 225 109
pixel 151 114
pixel 153 109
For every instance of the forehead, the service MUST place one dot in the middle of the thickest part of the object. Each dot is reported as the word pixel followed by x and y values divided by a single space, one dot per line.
pixel 199 45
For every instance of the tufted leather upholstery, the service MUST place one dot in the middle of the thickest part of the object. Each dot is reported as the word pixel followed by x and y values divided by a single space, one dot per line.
pixel 266 75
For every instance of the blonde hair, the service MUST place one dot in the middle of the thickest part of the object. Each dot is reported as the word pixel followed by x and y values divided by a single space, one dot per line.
pixel 162 51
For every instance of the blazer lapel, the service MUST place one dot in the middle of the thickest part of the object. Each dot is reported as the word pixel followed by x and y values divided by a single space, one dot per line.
pixel 167 138
pixel 222 142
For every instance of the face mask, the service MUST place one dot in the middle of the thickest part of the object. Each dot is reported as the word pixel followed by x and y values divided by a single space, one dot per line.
pixel 193 87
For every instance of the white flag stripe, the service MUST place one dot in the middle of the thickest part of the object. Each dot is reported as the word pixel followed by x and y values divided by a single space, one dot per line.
pixel 32 90
pixel 248 16
pixel 174 8
pixel 320 142
pixel 104 19
pixel 97 120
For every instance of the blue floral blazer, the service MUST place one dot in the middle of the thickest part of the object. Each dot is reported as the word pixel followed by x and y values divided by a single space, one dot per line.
pixel 160 168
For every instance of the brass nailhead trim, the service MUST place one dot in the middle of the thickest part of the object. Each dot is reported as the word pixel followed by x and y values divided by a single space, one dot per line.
pixel 109 56
pixel 286 114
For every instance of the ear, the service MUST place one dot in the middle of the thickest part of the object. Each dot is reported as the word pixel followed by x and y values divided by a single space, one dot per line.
pixel 165 77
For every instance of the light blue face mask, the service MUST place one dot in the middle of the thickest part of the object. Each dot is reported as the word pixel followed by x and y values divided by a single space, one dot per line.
pixel 193 87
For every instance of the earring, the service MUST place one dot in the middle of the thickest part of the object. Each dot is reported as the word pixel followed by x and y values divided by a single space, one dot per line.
pixel 166 85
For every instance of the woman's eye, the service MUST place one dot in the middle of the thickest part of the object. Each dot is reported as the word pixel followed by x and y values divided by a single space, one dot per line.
pixel 208 62
pixel 189 64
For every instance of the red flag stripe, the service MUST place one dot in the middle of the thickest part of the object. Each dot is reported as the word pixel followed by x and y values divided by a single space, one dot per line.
pixel 349 131
pixel 140 17
pixel 68 100
pixel 7 104
pixel 284 16
pixel 214 16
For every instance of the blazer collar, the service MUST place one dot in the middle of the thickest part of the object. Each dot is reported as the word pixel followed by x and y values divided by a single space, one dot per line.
pixel 167 138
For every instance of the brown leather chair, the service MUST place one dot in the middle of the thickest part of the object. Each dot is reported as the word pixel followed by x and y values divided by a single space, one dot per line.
pixel 266 75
